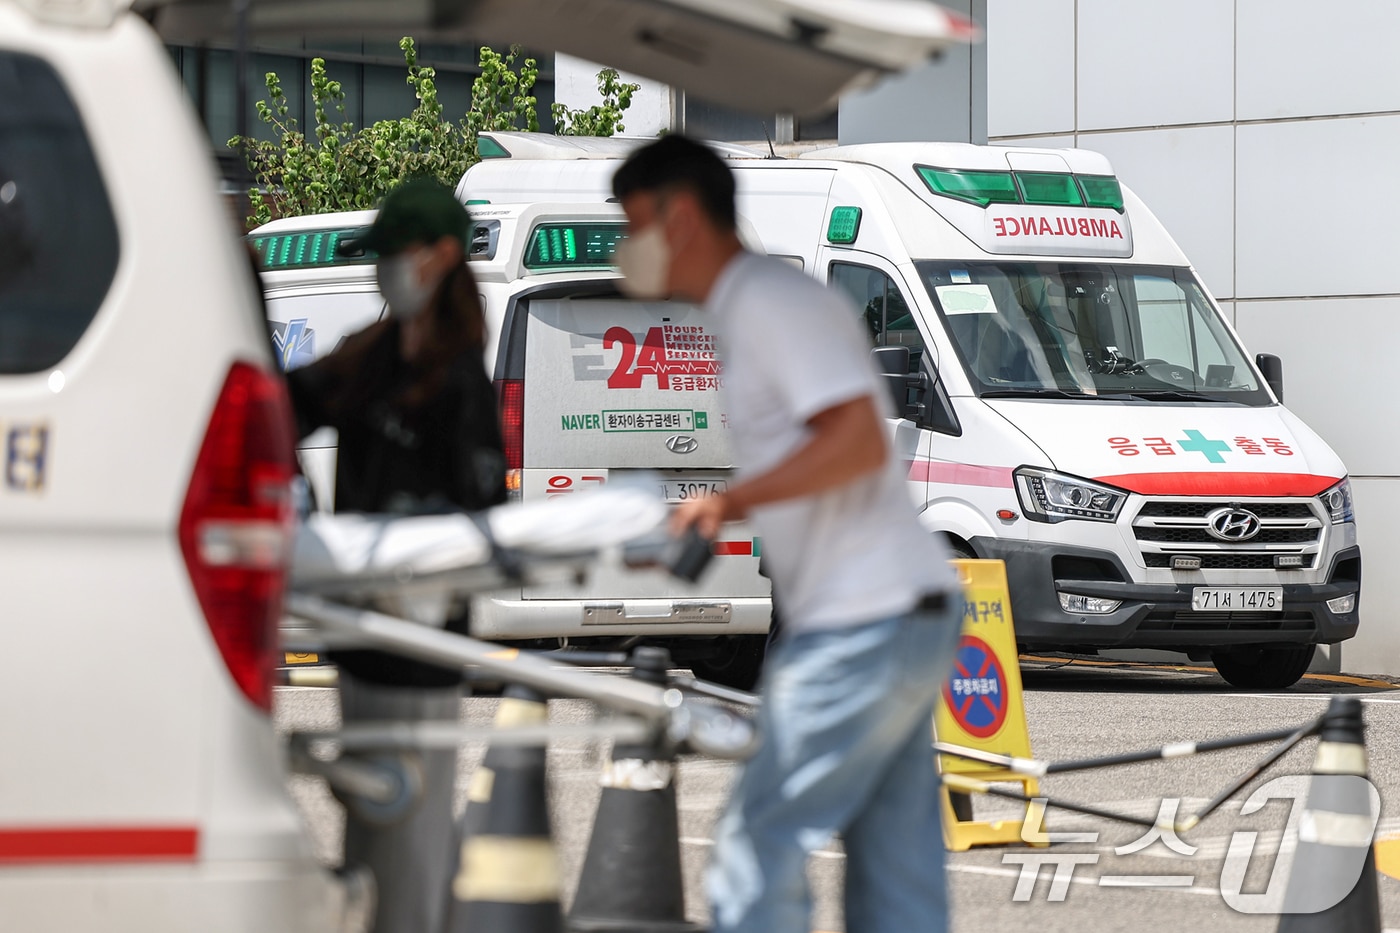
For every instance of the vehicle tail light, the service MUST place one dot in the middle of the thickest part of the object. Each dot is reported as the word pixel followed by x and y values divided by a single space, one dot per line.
pixel 511 393
pixel 236 525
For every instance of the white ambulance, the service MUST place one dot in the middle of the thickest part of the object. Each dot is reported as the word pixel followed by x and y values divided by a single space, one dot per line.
pixel 592 387
pixel 1073 400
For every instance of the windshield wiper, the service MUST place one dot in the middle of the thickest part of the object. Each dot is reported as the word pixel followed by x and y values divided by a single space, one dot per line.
pixel 1173 395
pixel 1046 393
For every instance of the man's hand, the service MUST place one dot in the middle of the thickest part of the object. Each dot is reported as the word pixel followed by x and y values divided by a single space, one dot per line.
pixel 847 442
pixel 706 514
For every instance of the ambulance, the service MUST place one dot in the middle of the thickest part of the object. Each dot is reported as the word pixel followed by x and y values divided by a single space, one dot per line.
pixel 593 388
pixel 1071 399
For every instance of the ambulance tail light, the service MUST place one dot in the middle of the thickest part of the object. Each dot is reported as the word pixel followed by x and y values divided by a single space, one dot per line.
pixel 236 525
pixel 511 395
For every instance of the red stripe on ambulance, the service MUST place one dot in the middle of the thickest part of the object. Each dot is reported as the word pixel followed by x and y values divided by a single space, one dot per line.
pixel 98 844
pixel 1222 484
pixel 960 474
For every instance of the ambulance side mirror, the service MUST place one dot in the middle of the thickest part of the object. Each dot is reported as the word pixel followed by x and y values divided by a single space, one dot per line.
pixel 1271 367
pixel 893 364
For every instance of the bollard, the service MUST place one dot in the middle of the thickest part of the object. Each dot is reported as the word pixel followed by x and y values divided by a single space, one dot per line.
pixel 507 875
pixel 631 880
pixel 406 844
pixel 1332 885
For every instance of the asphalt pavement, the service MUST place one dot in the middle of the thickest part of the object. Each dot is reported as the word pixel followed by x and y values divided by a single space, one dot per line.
pixel 1112 877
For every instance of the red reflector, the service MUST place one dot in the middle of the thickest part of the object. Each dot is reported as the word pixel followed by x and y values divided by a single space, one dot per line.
pixel 732 548
pixel 511 393
pixel 91 844
pixel 236 525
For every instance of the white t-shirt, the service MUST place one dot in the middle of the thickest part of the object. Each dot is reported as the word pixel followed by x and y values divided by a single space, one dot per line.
pixel 793 348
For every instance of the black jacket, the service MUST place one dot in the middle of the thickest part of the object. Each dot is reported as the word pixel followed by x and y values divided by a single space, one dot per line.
pixel 443 454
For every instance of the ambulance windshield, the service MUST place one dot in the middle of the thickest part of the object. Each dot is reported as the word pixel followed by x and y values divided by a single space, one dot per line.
pixel 1057 329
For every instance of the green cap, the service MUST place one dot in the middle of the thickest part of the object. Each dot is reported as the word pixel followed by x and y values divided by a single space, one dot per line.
pixel 421 210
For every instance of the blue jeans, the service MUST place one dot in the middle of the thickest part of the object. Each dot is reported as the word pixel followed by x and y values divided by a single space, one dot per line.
pixel 846 723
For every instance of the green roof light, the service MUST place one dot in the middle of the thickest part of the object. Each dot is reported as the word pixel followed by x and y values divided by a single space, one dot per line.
pixel 309 249
pixel 980 188
pixel 1053 188
pixel 488 148
pixel 573 246
pixel 844 225
pixel 1102 191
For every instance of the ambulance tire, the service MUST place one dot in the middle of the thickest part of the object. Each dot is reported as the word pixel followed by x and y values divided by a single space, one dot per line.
pixel 962 803
pixel 959 551
pixel 1263 668
pixel 736 662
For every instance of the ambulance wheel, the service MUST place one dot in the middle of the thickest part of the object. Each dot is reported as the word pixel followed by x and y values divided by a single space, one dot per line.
pixel 1263 668
pixel 736 662
pixel 959 551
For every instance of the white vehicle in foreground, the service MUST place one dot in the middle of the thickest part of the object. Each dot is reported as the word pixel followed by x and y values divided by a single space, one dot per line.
pixel 144 514
pixel 1074 402
pixel 570 422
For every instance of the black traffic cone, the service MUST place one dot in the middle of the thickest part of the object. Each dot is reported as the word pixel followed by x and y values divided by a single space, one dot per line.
pixel 507 875
pixel 631 880
pixel 1332 885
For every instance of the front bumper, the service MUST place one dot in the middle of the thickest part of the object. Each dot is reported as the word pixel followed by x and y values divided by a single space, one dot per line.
pixel 1154 615
pixel 499 619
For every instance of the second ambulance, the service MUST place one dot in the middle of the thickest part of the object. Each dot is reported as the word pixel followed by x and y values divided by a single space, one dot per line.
pixel 1073 401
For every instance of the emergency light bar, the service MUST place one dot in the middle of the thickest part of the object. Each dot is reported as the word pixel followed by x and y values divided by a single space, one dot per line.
pixel 306 250
pixel 315 249
pixel 573 245
pixel 1056 189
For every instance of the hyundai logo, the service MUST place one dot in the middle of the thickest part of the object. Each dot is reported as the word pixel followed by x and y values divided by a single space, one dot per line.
pixel 1232 524
pixel 685 444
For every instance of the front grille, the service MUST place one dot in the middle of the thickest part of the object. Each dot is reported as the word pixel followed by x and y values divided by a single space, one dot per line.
pixel 1184 619
pixel 1165 528
pixel 1195 509
pixel 1201 536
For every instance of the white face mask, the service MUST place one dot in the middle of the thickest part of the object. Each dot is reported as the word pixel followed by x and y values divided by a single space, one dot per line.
pixel 645 263
pixel 402 286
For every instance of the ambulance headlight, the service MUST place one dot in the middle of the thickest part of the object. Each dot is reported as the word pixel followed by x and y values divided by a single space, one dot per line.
pixel 1056 497
pixel 1337 502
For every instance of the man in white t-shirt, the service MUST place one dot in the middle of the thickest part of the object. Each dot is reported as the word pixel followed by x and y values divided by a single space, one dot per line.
pixel 871 614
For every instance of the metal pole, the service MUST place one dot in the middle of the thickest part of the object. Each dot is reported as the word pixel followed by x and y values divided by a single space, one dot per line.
pixel 386 633
pixel 407 845
pixel 1034 768
pixel 240 67
pixel 706 728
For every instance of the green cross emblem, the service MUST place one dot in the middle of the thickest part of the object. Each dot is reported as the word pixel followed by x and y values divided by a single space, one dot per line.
pixel 1201 444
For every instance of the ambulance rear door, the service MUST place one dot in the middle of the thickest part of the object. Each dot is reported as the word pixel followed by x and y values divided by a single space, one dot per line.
pixel 618 390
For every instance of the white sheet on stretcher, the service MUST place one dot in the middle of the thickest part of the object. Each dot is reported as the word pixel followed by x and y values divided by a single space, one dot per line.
pixel 330 547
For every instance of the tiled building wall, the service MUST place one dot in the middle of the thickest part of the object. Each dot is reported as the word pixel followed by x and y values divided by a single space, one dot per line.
pixel 1264 133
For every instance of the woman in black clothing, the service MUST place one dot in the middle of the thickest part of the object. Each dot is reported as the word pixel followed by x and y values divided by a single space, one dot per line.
pixel 415 411
pixel 409 394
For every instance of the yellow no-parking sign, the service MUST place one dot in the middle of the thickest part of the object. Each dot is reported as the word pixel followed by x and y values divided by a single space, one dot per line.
pixel 982 708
